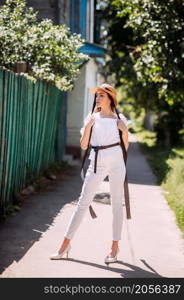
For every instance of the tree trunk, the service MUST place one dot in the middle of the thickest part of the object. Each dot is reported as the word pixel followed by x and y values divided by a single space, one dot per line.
pixel 20 67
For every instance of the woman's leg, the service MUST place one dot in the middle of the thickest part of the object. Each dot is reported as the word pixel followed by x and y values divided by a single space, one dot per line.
pixel 91 182
pixel 116 184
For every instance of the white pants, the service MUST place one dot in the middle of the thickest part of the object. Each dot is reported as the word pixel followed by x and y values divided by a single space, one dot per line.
pixel 110 162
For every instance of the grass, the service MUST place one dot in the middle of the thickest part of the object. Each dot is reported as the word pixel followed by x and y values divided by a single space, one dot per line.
pixel 168 166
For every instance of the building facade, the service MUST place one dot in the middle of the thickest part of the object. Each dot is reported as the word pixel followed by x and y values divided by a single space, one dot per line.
pixel 80 100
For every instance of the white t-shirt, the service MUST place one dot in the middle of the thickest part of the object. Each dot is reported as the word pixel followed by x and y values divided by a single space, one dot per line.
pixel 104 131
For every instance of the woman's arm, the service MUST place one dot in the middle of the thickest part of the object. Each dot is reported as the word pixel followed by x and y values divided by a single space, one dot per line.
pixel 86 132
pixel 124 132
pixel 125 138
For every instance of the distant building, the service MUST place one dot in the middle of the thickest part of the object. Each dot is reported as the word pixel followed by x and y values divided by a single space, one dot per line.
pixel 83 20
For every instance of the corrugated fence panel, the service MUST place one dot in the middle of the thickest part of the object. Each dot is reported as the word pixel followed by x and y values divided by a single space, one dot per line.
pixel 31 117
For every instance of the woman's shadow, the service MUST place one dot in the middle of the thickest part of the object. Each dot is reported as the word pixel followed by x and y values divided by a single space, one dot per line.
pixel 134 272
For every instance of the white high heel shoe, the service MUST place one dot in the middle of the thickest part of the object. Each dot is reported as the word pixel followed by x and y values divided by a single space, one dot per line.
pixel 110 259
pixel 60 255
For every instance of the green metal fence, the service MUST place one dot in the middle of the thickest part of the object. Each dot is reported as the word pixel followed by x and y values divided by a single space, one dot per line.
pixel 30 115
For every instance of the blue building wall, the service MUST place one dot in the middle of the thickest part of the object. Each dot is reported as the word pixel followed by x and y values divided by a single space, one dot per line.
pixel 78 16
pixel 83 14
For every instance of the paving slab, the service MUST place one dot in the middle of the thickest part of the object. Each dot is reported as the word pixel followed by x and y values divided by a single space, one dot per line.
pixel 151 245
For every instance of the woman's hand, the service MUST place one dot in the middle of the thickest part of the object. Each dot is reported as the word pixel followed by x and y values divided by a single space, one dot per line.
pixel 121 125
pixel 91 121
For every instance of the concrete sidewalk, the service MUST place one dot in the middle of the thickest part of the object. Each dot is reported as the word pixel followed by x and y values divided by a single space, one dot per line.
pixel 151 244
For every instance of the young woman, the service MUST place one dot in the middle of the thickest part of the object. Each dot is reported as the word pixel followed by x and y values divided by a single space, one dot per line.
pixel 108 161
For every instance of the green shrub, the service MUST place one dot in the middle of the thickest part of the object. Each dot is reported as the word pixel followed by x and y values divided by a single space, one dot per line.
pixel 168 166
pixel 51 51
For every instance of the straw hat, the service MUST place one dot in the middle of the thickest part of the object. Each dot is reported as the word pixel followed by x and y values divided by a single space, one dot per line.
pixel 107 88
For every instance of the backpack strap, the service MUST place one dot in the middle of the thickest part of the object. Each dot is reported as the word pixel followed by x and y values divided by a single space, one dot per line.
pixel 126 189
pixel 91 210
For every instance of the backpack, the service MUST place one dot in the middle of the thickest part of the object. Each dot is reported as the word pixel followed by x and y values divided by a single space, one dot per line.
pixel 126 189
